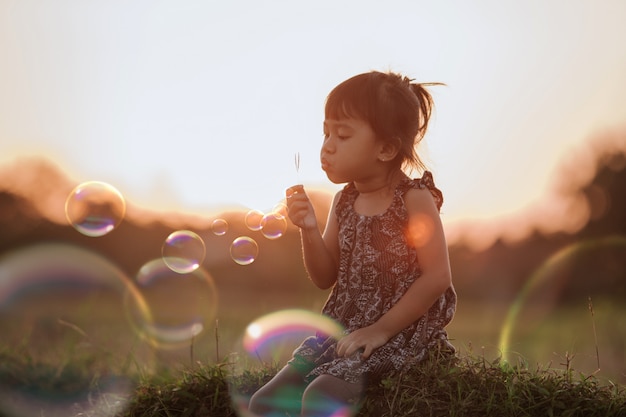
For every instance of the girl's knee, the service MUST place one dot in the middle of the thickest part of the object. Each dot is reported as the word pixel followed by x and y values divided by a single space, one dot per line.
pixel 328 395
pixel 281 393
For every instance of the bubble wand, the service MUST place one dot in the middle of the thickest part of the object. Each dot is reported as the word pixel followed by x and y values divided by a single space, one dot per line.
pixel 297 161
pixel 299 188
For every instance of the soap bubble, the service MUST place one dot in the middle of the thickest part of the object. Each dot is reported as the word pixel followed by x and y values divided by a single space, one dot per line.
pixel 271 339
pixel 62 308
pixel 244 250
pixel 571 283
pixel 219 227
pixel 274 336
pixel 253 220
pixel 183 251
pixel 180 306
pixel 280 208
pixel 273 225
pixel 95 208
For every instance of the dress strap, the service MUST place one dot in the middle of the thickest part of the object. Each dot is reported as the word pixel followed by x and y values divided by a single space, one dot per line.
pixel 426 181
pixel 346 201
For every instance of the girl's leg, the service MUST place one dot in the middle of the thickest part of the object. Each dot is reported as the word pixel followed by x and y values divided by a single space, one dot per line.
pixel 281 396
pixel 326 395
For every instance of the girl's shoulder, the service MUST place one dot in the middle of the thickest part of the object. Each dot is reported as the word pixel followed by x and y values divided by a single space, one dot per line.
pixel 409 189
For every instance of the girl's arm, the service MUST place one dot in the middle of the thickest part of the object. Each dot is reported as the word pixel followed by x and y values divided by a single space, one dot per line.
pixel 320 252
pixel 426 234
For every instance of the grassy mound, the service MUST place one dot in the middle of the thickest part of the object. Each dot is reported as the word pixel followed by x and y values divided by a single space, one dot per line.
pixel 463 386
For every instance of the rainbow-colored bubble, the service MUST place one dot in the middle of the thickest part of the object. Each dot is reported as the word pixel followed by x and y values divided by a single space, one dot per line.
pixel 253 220
pixel 271 339
pixel 65 306
pixel 244 250
pixel 219 227
pixel 183 251
pixel 553 313
pixel 267 333
pixel 180 306
pixel 273 225
pixel 95 208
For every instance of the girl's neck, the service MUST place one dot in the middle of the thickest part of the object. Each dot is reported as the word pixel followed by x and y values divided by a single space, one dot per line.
pixel 375 196
pixel 381 185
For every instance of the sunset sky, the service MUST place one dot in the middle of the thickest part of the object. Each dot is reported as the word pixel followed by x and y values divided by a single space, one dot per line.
pixel 196 105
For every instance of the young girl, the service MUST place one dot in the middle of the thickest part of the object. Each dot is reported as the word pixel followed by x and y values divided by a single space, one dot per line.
pixel 383 251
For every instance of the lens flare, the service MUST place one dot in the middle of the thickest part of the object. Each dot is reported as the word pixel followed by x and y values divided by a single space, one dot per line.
pixel 421 229
pixel 62 307
pixel 95 208
pixel 181 306
pixel 183 251
pixel 244 250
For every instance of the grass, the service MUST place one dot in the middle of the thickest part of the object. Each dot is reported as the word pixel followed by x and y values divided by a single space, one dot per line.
pixel 468 386
pixel 464 386
pixel 98 368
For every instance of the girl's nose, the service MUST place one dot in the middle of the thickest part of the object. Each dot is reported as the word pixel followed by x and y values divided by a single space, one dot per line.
pixel 328 145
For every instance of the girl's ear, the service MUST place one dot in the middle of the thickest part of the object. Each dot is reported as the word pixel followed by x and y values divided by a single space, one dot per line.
pixel 389 150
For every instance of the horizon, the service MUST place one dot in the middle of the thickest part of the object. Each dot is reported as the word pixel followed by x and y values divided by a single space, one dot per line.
pixel 196 106
pixel 47 186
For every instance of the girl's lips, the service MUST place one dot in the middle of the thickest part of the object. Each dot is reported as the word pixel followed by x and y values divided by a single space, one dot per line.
pixel 325 164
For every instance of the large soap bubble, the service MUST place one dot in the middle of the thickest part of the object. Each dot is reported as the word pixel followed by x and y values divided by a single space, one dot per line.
pixel 181 306
pixel 271 337
pixel 553 313
pixel 62 315
pixel 270 341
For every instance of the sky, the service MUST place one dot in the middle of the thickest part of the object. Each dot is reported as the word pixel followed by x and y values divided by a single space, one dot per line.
pixel 197 105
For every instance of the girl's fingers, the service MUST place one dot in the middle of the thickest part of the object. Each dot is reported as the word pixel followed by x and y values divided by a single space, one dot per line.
pixel 299 208
pixel 348 351
pixel 367 351
pixel 298 216
pixel 293 190
pixel 346 347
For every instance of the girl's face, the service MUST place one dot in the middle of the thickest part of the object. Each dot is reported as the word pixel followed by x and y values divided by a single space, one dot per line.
pixel 351 151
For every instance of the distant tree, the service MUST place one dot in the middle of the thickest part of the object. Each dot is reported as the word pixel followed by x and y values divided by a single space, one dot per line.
pixel 589 262
pixel 606 195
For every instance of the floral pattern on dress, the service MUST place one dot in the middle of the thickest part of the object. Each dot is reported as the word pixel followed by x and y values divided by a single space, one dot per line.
pixel 376 268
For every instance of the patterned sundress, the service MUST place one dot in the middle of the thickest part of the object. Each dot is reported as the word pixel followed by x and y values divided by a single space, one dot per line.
pixel 376 268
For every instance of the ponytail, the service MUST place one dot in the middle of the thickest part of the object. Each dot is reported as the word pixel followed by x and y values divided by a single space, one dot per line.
pixel 426 105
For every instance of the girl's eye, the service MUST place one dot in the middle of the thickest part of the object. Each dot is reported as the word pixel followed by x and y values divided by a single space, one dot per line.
pixel 338 136
pixel 343 134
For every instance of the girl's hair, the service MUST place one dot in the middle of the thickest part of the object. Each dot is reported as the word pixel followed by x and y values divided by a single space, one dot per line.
pixel 397 109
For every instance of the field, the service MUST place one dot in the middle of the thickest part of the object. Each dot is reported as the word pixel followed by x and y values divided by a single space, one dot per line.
pixel 86 339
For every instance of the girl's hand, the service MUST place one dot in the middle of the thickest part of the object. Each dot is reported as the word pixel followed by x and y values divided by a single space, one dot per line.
pixel 299 208
pixel 366 339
